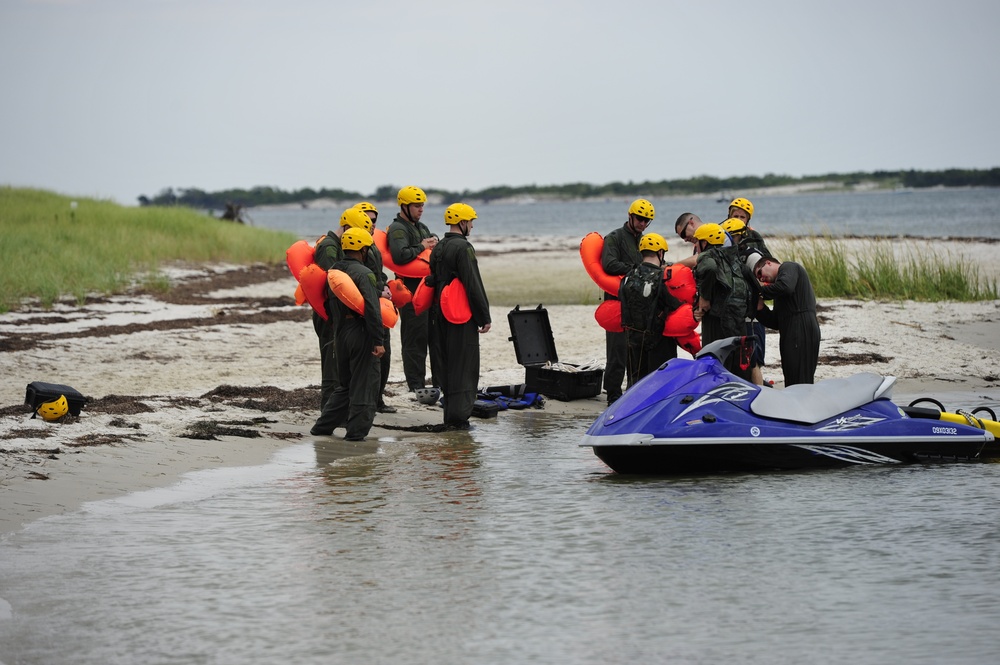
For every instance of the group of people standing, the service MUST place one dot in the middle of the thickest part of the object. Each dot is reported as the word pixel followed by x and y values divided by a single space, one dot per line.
pixel 355 351
pixel 735 276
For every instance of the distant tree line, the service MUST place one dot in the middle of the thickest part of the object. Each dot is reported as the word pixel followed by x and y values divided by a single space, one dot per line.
pixel 704 184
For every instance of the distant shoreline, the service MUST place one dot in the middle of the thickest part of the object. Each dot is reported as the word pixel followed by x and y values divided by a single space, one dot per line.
pixel 831 187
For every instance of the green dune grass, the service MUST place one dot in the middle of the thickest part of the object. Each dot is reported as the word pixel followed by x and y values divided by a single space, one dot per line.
pixel 53 248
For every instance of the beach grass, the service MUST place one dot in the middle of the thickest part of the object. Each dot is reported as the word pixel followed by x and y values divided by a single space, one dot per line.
pixel 888 269
pixel 54 246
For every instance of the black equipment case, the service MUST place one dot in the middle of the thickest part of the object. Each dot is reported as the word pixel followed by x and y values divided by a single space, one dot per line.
pixel 39 393
pixel 534 346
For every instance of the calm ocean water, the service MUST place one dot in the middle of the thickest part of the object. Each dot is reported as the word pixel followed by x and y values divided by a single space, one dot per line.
pixel 511 544
pixel 964 213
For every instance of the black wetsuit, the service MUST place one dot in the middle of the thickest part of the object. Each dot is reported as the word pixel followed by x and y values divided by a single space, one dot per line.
pixel 794 317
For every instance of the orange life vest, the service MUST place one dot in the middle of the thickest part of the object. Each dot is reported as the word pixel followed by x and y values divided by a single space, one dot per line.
pixel 418 267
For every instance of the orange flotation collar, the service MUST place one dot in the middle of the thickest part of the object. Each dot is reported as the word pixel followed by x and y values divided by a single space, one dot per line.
pixel 455 303
pixel 312 289
pixel 422 297
pixel 680 321
pixel 346 290
pixel 609 315
pixel 590 253
pixel 389 313
pixel 400 294
pixel 679 280
pixel 690 342
pixel 298 256
pixel 418 267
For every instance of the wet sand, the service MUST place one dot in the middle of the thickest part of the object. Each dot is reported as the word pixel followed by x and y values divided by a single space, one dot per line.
pixel 226 354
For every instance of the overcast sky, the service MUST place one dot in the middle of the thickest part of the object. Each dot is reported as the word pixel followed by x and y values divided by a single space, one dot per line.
pixel 118 98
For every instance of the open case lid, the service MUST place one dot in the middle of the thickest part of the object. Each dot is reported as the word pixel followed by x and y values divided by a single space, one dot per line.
pixel 532 336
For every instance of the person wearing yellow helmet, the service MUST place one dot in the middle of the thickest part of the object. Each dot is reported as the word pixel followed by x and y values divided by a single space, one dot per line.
pixel 407 238
pixel 358 345
pixel 645 303
pixel 374 263
pixel 724 292
pixel 454 343
pixel 748 240
pixel 369 209
pixel 327 252
pixel 619 256
pixel 741 209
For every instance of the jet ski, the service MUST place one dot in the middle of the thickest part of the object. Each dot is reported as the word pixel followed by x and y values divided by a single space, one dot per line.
pixel 694 416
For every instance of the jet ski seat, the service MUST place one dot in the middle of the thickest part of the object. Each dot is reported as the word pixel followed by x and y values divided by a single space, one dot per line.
pixel 812 403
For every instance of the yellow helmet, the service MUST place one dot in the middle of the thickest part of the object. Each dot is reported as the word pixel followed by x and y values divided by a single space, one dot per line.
pixel 711 233
pixel 459 212
pixel 642 208
pixel 734 225
pixel 411 194
pixel 365 206
pixel 652 242
pixel 356 239
pixel 354 218
pixel 743 204
pixel 55 409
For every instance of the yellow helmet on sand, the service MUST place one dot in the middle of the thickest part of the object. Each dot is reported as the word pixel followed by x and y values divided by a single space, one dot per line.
pixel 652 242
pixel 459 212
pixel 642 208
pixel 411 194
pixel 354 218
pixel 55 409
pixel 742 204
pixel 713 234
pixel 733 225
pixel 356 239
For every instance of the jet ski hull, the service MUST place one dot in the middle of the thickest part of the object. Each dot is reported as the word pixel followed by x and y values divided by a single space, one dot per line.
pixel 692 416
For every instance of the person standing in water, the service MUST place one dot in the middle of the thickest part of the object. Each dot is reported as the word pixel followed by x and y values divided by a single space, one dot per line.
pixel 455 325
pixel 407 237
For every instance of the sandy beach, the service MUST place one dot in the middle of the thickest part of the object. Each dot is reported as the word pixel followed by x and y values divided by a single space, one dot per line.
pixel 224 369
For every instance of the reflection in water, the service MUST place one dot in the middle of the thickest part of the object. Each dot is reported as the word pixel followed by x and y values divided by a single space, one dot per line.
pixel 511 543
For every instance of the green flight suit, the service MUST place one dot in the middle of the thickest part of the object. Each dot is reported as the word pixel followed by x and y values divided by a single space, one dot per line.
pixel 404 244
pixel 353 402
pixel 619 255
pixel 455 347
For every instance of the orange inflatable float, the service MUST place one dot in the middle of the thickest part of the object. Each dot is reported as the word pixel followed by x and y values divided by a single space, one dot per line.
pixel 680 321
pixel 418 267
pixel 389 313
pixel 455 303
pixel 609 315
pixel 680 282
pixel 346 290
pixel 312 289
pixel 590 253
pixel 400 294
pixel 298 256
pixel 690 342
pixel 423 297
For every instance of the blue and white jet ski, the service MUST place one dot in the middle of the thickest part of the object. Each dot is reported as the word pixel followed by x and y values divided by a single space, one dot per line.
pixel 693 416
